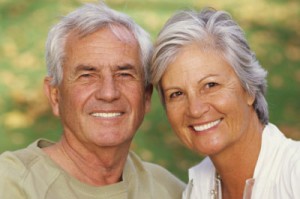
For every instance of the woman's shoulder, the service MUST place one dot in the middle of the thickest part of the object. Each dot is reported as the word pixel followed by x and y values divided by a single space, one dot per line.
pixel 204 170
pixel 205 165
pixel 286 150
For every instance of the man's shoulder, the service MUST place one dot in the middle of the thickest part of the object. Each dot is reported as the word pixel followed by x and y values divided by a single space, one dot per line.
pixel 27 172
pixel 17 159
pixel 156 181
pixel 158 173
pixel 14 169
pixel 147 166
pixel 21 161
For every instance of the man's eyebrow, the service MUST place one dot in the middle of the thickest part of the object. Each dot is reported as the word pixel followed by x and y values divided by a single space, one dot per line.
pixel 83 67
pixel 126 67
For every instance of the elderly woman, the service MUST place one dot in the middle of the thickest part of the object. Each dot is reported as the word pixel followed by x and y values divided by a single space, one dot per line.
pixel 213 91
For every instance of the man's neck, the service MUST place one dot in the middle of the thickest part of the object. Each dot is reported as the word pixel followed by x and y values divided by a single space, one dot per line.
pixel 98 166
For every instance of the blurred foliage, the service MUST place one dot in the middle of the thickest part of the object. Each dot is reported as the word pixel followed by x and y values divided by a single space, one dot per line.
pixel 272 28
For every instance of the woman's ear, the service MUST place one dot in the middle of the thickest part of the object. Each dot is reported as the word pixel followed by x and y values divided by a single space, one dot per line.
pixel 52 94
pixel 250 99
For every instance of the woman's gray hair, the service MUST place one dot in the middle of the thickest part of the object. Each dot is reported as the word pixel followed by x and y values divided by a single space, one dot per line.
pixel 86 20
pixel 215 30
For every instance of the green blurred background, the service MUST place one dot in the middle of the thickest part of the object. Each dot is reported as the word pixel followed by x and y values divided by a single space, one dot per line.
pixel 272 28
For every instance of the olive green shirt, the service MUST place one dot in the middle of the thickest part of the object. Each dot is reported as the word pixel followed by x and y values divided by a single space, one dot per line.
pixel 30 173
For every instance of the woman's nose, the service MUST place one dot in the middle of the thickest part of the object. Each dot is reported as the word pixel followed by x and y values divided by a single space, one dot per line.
pixel 197 106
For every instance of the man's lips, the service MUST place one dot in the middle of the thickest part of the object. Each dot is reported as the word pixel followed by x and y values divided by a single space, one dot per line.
pixel 107 114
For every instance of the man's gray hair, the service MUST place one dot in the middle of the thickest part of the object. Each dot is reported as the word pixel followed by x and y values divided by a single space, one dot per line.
pixel 217 31
pixel 86 20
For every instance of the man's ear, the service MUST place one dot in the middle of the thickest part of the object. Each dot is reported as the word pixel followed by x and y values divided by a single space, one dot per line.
pixel 148 95
pixel 52 94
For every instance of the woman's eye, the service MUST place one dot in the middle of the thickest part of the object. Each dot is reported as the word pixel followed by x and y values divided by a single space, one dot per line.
pixel 211 84
pixel 175 94
pixel 210 87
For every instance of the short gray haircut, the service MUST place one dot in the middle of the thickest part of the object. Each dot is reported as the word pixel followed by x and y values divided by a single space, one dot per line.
pixel 86 20
pixel 217 31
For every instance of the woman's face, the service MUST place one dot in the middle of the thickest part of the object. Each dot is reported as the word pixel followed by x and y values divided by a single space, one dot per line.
pixel 205 102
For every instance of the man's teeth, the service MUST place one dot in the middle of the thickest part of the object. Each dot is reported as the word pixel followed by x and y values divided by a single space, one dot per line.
pixel 206 126
pixel 106 115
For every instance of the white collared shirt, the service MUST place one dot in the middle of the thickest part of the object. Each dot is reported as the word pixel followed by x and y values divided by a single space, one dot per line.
pixel 277 172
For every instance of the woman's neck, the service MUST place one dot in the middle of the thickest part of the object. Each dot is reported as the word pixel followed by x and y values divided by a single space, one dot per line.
pixel 237 163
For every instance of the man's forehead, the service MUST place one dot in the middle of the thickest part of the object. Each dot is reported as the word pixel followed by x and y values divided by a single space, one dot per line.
pixel 122 33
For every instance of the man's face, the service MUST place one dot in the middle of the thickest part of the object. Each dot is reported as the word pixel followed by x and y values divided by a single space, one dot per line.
pixel 101 99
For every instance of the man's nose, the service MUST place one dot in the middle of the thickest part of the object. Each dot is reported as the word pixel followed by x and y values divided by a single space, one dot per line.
pixel 108 89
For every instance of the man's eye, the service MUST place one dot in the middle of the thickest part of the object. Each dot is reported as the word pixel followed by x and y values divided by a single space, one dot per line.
pixel 85 75
pixel 175 94
pixel 125 74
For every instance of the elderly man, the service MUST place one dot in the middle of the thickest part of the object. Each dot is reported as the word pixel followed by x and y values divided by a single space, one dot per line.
pixel 98 85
